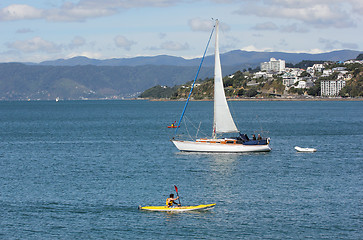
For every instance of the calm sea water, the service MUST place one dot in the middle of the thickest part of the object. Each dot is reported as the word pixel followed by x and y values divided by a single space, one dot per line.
pixel 79 170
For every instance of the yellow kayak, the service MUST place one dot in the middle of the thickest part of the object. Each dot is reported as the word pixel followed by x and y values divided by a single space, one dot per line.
pixel 177 209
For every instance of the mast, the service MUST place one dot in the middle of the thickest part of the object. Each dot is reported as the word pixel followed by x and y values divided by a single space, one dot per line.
pixel 216 60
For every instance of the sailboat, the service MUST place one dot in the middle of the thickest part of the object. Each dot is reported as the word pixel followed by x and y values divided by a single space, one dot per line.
pixel 223 122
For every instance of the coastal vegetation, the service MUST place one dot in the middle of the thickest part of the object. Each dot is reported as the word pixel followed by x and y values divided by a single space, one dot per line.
pixel 245 84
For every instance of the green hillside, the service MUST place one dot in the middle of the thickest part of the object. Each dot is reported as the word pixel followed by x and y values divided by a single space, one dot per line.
pixel 245 85
pixel 20 81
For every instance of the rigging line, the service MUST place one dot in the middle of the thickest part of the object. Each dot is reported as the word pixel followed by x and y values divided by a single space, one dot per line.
pixel 186 128
pixel 190 122
pixel 195 79
pixel 185 122
pixel 196 135
pixel 260 123
pixel 194 126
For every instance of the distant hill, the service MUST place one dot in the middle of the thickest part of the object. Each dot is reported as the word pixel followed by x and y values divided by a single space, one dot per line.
pixel 136 61
pixel 82 77
pixel 233 58
pixel 20 82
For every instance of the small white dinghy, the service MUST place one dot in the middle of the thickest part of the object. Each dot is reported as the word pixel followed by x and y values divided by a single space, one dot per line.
pixel 300 149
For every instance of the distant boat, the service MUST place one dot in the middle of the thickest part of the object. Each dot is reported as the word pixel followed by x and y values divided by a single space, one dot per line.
pixel 223 122
pixel 57 99
pixel 300 149
pixel 173 125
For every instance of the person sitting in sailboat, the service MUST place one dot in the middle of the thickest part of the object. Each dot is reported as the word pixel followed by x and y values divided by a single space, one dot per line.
pixel 259 137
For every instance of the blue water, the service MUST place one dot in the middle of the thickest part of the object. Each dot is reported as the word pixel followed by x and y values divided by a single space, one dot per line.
pixel 79 170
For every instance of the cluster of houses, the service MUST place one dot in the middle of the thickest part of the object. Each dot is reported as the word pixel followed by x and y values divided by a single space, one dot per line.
pixel 294 77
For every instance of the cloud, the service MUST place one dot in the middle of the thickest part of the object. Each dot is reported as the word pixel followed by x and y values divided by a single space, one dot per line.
pixel 77 42
pixel 35 44
pixel 349 45
pixel 162 35
pixel 123 42
pixel 170 46
pixel 202 25
pixel 24 30
pixel 334 44
pixel 19 11
pixel 197 24
pixel 126 4
pixel 80 11
pixel 297 28
pixel 282 43
pixel 174 46
pixel 252 48
pixel 270 26
pixel 95 55
pixel 318 13
pixel 265 26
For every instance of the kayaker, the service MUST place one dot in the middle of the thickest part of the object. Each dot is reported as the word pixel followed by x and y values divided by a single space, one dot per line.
pixel 171 200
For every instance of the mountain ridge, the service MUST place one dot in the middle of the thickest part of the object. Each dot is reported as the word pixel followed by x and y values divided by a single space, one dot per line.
pixel 82 78
pixel 235 57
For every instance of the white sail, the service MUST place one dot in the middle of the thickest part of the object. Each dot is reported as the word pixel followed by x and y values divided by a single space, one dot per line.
pixel 223 121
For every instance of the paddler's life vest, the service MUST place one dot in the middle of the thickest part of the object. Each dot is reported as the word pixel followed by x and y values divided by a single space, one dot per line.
pixel 169 203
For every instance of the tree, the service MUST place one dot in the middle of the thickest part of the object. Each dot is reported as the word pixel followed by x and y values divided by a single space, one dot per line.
pixel 241 92
pixel 315 90
pixel 296 90
pixel 251 92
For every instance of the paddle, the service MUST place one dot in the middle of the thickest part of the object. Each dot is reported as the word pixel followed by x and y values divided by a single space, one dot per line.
pixel 176 189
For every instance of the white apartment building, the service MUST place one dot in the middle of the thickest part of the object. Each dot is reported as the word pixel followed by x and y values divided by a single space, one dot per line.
pixel 311 71
pixel 305 84
pixel 273 65
pixel 262 74
pixel 289 79
pixel 291 76
pixel 327 72
pixel 318 67
pixel 331 87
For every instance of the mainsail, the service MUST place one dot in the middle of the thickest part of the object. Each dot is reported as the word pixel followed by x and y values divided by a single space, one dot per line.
pixel 223 121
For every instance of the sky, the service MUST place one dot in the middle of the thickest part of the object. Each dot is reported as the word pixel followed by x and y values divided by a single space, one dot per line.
pixel 40 30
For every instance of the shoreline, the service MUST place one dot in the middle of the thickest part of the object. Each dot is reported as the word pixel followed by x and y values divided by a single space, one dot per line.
pixel 258 99
pixel 183 100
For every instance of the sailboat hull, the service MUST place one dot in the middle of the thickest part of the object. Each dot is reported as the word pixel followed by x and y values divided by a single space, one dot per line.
pixel 190 146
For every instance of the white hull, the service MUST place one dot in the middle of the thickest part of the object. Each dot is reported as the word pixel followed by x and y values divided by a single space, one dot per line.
pixel 189 146
pixel 299 149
